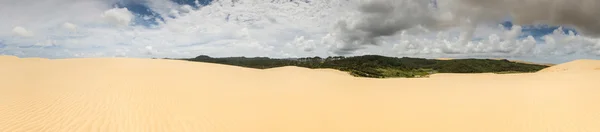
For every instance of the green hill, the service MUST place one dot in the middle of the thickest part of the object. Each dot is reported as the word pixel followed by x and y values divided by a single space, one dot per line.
pixel 375 66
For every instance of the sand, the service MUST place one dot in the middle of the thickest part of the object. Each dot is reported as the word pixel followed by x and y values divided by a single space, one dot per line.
pixel 444 58
pixel 577 65
pixel 144 95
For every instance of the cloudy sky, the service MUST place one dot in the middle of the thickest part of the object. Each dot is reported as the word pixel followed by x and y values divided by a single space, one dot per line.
pixel 550 31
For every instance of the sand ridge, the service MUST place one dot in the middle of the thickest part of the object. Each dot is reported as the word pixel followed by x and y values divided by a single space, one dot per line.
pixel 129 95
pixel 577 65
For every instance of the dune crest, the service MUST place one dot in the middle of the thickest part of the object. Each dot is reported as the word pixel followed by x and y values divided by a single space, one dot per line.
pixel 140 95
pixel 577 65
pixel 444 58
pixel 6 57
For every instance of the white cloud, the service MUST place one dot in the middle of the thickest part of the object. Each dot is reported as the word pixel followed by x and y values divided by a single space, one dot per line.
pixel 70 26
pixel 498 43
pixel 46 43
pixel 41 15
pixel 118 16
pixel 186 9
pixel 303 44
pixel 22 32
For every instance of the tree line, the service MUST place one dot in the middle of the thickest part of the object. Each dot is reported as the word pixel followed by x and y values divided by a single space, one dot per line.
pixel 375 66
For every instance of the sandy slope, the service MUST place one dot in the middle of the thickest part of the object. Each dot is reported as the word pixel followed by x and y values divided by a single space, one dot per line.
pixel 578 65
pixel 164 95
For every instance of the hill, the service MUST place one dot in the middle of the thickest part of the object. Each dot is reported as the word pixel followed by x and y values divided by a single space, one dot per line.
pixel 375 66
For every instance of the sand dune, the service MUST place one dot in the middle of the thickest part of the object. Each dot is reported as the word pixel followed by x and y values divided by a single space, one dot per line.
pixel 129 95
pixel 578 65
pixel 445 58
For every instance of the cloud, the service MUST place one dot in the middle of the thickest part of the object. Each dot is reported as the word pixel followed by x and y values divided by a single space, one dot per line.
pixel 303 44
pixel 40 15
pixel 504 43
pixel 22 32
pixel 500 42
pixel 280 28
pixel 70 26
pixel 45 43
pixel 378 18
pixel 383 18
pixel 118 16
pixel 583 14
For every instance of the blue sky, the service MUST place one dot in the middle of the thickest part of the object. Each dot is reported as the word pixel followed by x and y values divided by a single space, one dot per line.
pixel 277 28
pixel 537 31
pixel 141 10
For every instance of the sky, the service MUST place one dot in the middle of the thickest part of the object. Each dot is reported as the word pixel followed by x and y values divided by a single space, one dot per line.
pixel 548 31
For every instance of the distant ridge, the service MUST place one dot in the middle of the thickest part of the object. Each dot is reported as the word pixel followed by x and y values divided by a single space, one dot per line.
pixel 518 61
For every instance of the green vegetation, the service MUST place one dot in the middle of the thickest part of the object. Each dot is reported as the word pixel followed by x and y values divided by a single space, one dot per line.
pixel 416 73
pixel 509 72
pixel 375 66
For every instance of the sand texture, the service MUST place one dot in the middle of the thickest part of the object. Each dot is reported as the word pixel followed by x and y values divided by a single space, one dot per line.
pixel 145 95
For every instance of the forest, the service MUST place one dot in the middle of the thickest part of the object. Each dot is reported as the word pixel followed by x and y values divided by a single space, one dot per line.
pixel 375 66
